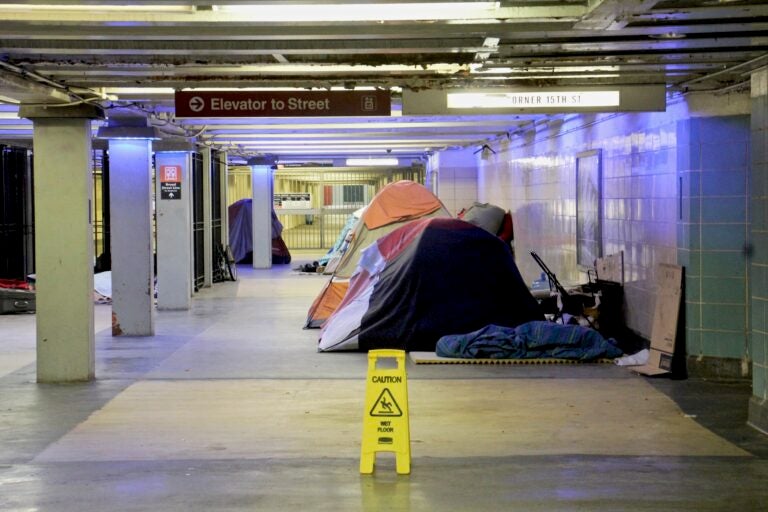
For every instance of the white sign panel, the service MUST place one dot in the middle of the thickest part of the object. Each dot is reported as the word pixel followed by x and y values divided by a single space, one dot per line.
pixel 534 99
pixel 293 201
pixel 623 98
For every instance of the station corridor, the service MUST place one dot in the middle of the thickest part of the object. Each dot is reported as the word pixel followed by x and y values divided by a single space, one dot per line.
pixel 230 408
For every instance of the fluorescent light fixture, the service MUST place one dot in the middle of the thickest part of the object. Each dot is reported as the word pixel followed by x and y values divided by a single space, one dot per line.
pixel 171 90
pixel 91 8
pixel 438 68
pixel 341 151
pixel 667 35
pixel 364 11
pixel 286 12
pixel 139 90
pixel 549 99
pixel 362 162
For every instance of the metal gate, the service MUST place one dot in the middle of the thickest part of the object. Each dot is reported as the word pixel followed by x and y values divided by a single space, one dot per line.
pixel 314 203
pixel 216 220
pixel 100 211
pixel 198 229
pixel 16 214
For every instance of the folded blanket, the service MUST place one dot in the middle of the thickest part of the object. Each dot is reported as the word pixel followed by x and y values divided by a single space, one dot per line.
pixel 14 284
pixel 529 340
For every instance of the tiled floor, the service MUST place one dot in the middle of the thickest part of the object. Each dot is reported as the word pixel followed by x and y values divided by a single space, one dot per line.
pixel 229 407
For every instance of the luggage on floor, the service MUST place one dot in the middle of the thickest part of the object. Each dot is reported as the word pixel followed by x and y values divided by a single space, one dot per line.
pixel 16 301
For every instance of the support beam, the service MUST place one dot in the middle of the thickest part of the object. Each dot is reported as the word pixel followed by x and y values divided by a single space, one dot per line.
pixel 173 194
pixel 262 187
pixel 63 244
pixel 130 190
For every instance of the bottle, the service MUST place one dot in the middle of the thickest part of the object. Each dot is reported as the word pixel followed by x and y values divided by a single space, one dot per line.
pixel 541 283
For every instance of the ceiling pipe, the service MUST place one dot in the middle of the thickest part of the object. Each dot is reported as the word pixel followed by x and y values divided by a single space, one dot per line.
pixel 731 69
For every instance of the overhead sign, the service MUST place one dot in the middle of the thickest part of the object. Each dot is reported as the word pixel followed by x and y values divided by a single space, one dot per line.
pixel 555 100
pixel 640 98
pixel 170 182
pixel 282 103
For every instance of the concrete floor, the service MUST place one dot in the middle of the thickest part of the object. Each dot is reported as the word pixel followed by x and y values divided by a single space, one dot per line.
pixel 230 408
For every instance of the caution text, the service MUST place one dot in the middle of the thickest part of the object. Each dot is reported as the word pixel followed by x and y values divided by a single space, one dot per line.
pixel 387 379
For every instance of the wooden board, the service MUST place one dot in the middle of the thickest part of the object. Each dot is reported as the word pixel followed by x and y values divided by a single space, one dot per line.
pixel 432 358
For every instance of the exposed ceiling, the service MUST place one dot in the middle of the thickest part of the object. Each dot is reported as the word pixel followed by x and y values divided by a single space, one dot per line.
pixel 139 52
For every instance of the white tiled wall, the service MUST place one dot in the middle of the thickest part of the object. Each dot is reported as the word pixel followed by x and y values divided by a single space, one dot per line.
pixel 534 176
pixel 456 174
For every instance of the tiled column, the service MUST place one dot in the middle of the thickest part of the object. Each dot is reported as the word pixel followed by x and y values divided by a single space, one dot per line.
pixel 130 191
pixel 758 405
pixel 63 242
pixel 261 173
pixel 713 171
pixel 174 229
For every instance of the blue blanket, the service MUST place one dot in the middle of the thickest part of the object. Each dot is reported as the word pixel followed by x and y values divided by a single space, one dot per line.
pixel 530 340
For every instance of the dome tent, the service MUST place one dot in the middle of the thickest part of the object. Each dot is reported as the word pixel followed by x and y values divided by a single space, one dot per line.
pixel 394 205
pixel 241 234
pixel 429 278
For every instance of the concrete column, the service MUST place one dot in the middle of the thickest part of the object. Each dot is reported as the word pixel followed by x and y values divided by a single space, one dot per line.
pixel 63 242
pixel 130 191
pixel 262 182
pixel 174 230
pixel 207 219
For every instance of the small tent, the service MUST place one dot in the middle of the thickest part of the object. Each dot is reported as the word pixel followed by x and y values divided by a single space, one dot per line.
pixel 491 218
pixel 429 278
pixel 342 242
pixel 393 206
pixel 241 234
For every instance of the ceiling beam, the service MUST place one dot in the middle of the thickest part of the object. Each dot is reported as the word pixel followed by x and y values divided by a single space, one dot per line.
pixel 611 14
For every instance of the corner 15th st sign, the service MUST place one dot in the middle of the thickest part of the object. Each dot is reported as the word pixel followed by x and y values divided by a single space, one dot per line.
pixel 281 103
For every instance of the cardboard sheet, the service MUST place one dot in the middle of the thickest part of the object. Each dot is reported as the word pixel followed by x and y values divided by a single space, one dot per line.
pixel 664 331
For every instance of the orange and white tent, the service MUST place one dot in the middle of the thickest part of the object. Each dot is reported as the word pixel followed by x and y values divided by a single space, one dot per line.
pixel 393 206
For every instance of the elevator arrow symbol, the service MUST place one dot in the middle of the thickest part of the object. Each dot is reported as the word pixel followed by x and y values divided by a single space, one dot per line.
pixel 196 104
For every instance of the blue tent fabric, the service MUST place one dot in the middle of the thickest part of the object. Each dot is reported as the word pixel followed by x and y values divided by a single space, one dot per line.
pixel 531 340
pixel 339 245
pixel 241 234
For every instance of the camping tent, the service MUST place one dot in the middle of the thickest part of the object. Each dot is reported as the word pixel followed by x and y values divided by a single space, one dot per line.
pixel 427 279
pixel 491 218
pixel 342 241
pixel 391 207
pixel 241 234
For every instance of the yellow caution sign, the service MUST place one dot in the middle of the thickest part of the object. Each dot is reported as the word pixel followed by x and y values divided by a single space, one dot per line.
pixel 385 422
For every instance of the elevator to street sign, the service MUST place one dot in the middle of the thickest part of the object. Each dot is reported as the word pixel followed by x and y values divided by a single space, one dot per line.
pixel 282 103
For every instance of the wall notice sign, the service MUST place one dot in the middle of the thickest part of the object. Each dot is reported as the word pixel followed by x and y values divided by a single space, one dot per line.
pixel 282 103
pixel 170 182
pixel 292 201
